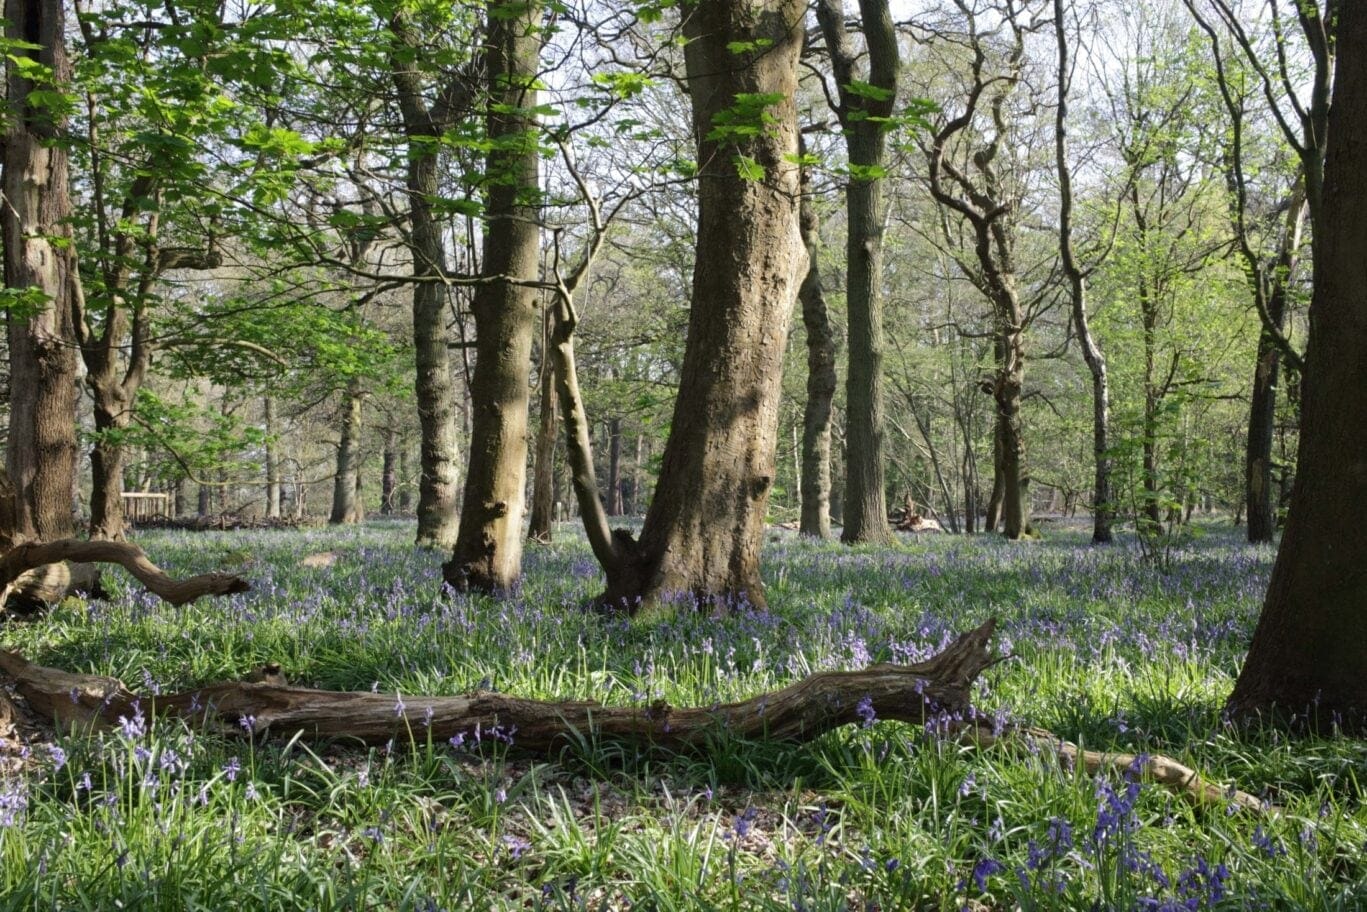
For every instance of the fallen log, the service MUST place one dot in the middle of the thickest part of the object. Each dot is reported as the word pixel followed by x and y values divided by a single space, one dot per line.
pixel 30 556
pixel 801 711
pixel 263 704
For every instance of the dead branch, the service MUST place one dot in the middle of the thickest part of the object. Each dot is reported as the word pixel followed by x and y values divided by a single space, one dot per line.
pixel 31 555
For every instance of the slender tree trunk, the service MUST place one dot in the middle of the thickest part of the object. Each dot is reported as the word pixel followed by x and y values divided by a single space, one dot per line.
pixel 389 470
pixel 705 527
pixel 434 386
pixel 539 526
pixel 272 460
pixel 488 551
pixel 821 382
pixel 346 506
pixel 1015 477
pixel 862 116
pixel 1262 414
pixel 614 466
pixel 41 455
pixel 1307 654
pixel 405 489
pixel 1102 507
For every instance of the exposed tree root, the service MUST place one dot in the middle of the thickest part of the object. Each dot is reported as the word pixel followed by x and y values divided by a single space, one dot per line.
pixel 935 689
pixel 29 556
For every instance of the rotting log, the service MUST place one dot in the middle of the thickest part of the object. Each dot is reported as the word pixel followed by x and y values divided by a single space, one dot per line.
pixel 801 711
pixel 20 559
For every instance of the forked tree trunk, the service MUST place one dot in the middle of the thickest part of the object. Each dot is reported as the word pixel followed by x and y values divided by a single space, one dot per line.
pixel 821 382
pixel 346 504
pixel 539 525
pixel 705 527
pixel 39 260
pixel 488 552
pixel 1307 655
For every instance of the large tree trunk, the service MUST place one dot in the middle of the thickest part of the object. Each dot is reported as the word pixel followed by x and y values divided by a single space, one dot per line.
pixel 863 117
pixel 821 382
pixel 539 525
pixel 705 527
pixel 41 446
pixel 1308 654
pixel 272 460
pixel 346 503
pixel 488 552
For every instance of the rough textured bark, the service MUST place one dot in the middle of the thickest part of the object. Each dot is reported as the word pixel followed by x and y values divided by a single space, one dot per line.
pixel 1307 654
pixel 488 551
pixel 539 525
pixel 705 527
pixel 41 445
pixel 821 381
pixel 435 387
pixel 1103 509
pixel 862 117
pixel 346 481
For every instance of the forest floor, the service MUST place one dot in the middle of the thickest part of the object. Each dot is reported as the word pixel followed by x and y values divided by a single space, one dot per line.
pixel 1110 652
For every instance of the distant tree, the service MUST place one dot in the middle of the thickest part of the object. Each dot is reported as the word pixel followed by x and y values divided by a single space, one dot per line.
pixel 1309 652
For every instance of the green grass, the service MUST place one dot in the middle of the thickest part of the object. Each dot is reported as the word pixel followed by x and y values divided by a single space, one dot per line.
pixel 1108 652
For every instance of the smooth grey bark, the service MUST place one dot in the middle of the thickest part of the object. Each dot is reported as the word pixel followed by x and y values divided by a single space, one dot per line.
pixel 38 255
pixel 862 116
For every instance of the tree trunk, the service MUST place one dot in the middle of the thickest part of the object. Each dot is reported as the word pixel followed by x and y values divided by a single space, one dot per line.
pixel 389 472
pixel 272 461
pixel 206 500
pixel 1102 508
pixel 434 386
pixel 1015 477
pixel 614 467
pixel 106 467
pixel 1307 655
pixel 821 382
pixel 1262 413
pixel 39 261
pixel 863 118
pixel 539 526
pixel 488 552
pixel 346 504
pixel 705 527
pixel 405 490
